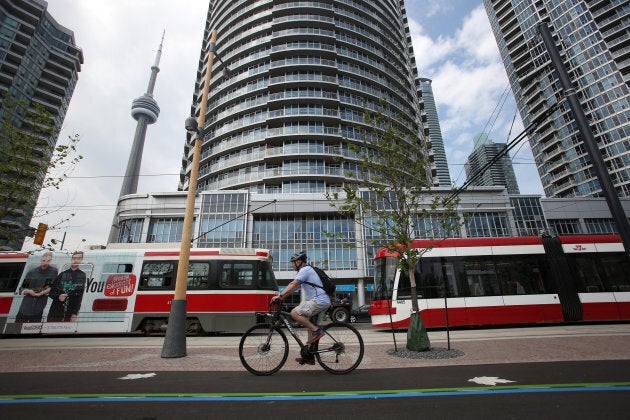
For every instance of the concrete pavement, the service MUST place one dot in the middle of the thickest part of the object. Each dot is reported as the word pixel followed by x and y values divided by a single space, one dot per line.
pixel 220 353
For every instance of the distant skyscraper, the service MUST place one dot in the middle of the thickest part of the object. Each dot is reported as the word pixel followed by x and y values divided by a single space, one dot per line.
pixel 145 110
pixel 592 37
pixel 39 64
pixel 439 168
pixel 501 173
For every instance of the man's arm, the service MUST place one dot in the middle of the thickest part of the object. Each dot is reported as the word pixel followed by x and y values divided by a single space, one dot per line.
pixel 291 287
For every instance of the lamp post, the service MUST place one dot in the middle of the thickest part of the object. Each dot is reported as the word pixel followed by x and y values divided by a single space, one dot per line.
pixel 175 339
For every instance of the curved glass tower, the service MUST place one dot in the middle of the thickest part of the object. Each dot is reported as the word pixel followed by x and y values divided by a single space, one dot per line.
pixel 301 75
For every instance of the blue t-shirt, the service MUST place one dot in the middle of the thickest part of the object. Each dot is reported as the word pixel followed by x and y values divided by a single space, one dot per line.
pixel 315 293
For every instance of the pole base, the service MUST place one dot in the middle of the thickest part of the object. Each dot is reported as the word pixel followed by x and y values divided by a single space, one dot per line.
pixel 175 340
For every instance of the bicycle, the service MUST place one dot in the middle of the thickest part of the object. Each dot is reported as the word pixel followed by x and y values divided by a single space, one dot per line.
pixel 264 348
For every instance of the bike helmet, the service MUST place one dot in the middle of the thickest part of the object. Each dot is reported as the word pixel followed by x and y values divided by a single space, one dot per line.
pixel 299 256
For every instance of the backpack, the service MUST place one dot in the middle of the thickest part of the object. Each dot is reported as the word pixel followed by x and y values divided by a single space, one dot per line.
pixel 327 284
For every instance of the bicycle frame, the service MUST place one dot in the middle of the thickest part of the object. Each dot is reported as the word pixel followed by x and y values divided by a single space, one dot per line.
pixel 280 318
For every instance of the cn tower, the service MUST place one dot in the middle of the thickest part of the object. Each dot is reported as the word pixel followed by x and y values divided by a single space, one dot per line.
pixel 145 110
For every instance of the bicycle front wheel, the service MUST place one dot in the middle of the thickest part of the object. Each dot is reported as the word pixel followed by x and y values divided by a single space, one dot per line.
pixel 341 349
pixel 263 349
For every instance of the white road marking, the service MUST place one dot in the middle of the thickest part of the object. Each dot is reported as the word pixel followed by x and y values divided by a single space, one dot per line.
pixel 489 380
pixel 138 376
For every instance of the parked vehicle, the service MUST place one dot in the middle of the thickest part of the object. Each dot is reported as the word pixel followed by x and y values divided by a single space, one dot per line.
pixel 360 314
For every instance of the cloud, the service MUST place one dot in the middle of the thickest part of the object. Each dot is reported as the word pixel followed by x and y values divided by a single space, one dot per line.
pixel 428 51
pixel 119 41
pixel 471 89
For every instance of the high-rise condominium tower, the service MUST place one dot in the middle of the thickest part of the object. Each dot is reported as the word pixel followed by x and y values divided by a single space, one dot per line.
pixel 500 173
pixel 439 165
pixel 592 36
pixel 301 75
pixel 39 64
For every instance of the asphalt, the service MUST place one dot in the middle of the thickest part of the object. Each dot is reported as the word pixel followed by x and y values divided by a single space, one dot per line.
pixel 383 349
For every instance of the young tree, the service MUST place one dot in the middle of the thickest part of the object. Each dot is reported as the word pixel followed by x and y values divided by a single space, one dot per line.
pixel 393 192
pixel 29 162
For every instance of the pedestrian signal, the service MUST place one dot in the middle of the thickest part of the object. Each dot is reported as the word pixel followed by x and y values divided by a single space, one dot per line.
pixel 40 234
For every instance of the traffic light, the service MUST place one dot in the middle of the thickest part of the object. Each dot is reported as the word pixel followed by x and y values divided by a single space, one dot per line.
pixel 40 233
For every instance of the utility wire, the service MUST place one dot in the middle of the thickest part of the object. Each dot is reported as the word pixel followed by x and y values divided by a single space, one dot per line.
pixel 232 219
pixel 499 155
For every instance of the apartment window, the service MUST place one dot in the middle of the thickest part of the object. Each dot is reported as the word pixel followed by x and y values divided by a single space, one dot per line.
pixel 130 231
pixel 564 226
pixel 486 225
pixel 165 230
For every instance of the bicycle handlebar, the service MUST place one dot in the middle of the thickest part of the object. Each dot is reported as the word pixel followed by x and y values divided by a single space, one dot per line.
pixel 278 304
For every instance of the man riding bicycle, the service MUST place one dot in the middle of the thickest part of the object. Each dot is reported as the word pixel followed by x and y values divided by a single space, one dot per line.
pixel 316 300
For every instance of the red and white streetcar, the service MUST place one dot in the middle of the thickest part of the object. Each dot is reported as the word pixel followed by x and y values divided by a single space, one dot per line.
pixel 516 280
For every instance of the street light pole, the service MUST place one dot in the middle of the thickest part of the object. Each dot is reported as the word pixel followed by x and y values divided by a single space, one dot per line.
pixel 175 340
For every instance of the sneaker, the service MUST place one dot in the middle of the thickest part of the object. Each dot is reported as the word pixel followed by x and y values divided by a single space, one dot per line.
pixel 316 336
pixel 304 361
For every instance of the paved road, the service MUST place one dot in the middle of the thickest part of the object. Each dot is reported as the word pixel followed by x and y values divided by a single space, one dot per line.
pixel 549 372
pixel 559 390
pixel 481 346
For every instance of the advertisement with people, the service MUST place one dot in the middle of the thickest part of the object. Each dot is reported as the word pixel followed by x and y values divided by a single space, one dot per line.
pixel 50 292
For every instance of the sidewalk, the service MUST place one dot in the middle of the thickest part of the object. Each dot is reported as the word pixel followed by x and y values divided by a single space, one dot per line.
pixel 220 353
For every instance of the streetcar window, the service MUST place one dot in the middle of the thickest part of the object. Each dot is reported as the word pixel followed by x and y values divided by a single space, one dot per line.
pixel 600 272
pixel 434 275
pixel 587 277
pixel 117 268
pixel 429 279
pixel 157 275
pixel 198 275
pixel 481 277
pixel 615 268
pixel 384 274
pixel 237 275
pixel 10 275
pixel 520 274
pixel 266 278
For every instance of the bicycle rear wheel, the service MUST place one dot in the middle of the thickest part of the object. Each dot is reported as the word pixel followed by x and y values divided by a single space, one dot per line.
pixel 341 349
pixel 263 349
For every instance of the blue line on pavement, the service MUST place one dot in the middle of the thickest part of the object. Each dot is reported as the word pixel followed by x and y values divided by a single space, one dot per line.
pixel 297 397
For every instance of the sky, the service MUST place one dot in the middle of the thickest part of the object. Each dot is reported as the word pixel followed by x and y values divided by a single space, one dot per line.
pixel 453 45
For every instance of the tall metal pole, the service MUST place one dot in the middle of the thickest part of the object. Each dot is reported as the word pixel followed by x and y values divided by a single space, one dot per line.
pixel 608 189
pixel 175 340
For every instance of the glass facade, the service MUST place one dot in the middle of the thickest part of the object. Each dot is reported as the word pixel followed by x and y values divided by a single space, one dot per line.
pixel 39 64
pixel 592 37
pixel 130 231
pixel 166 229
pixel 600 226
pixel 486 225
pixel 529 217
pixel 328 239
pixel 565 227
pixel 222 220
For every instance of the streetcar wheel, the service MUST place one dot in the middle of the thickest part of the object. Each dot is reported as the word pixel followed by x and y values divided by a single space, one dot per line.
pixel 263 350
pixel 341 349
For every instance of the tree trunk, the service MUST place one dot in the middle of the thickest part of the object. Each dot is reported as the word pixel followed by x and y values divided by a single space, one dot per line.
pixel 417 337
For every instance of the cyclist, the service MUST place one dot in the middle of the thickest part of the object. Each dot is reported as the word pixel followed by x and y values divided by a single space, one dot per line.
pixel 316 300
